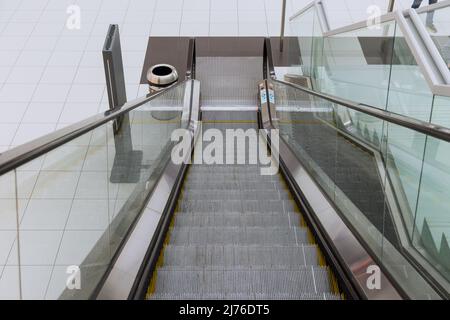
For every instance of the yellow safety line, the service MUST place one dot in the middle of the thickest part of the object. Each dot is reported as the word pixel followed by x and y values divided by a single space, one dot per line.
pixel 160 262
pixel 137 122
pixel 230 121
pixel 321 261
pixel 299 122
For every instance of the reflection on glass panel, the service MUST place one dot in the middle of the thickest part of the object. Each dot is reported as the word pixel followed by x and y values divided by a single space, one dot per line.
pixel 344 167
pixel 438 26
pixel 301 118
pixel 404 155
pixel 303 28
pixel 78 201
pixel 9 215
pixel 370 170
pixel 441 111
pixel 409 92
pixel 433 209
pixel 409 95
pixel 366 128
pixel 356 65
pixel 66 200
pixel 150 129
pixel 372 65
pixel 318 58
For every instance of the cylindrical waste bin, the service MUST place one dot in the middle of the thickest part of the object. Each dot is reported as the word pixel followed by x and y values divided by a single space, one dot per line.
pixel 160 77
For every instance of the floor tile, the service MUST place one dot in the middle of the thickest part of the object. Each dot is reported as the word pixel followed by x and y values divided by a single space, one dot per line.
pixel 59 75
pixel 37 248
pixel 39 112
pixel 44 43
pixel 46 214
pixel 16 92
pixel 92 185
pixel 194 29
pixel 89 215
pixel 165 29
pixel 8 58
pixel 85 93
pixel 12 112
pixel 65 158
pixel 56 185
pixel 10 283
pixel 8 217
pixel 51 92
pixel 70 59
pixel 74 112
pixel 35 280
pixel 25 75
pixel 76 245
pixel 31 131
pixel 223 29
pixel 7 238
pixel 90 75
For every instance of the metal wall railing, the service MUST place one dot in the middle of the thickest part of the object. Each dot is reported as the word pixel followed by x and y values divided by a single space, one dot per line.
pixel 431 64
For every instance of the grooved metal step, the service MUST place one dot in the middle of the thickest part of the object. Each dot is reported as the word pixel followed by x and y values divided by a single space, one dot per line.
pixel 238 235
pixel 233 219
pixel 214 169
pixel 240 256
pixel 352 168
pixel 237 185
pixel 237 206
pixel 237 296
pixel 212 195
pixel 246 281
pixel 229 81
pixel 231 177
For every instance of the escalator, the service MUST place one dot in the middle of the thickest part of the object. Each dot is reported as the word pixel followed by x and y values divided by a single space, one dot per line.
pixel 154 228
pixel 238 235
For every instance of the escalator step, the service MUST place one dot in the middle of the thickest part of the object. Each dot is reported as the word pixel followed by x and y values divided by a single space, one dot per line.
pixel 237 206
pixel 230 177
pixel 234 195
pixel 237 296
pixel 237 185
pixel 313 280
pixel 195 219
pixel 240 256
pixel 238 235
pixel 214 169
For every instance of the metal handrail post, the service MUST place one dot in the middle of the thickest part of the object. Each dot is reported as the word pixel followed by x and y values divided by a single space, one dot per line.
pixel 283 21
pixel 391 5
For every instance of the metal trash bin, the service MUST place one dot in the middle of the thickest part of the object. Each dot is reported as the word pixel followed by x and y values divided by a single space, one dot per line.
pixel 160 77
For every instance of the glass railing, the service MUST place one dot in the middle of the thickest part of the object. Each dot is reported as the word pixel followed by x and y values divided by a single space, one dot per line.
pixel 64 214
pixel 374 65
pixel 436 23
pixel 371 64
pixel 388 183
